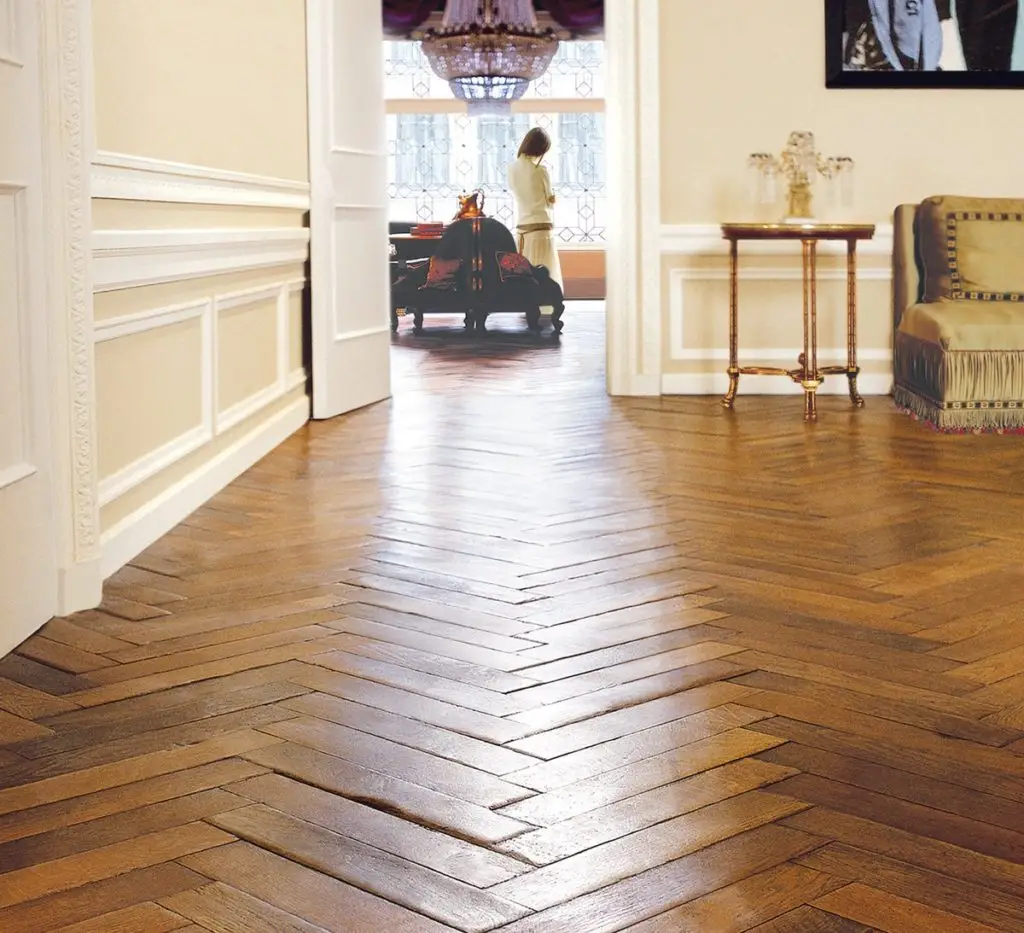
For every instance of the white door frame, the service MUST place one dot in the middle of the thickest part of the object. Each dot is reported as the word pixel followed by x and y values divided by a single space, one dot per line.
pixel 632 123
pixel 66 31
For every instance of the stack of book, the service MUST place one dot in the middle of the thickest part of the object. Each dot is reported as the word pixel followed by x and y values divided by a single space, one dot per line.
pixel 430 229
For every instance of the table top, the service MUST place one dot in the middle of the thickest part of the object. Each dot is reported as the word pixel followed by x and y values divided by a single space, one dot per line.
pixel 810 230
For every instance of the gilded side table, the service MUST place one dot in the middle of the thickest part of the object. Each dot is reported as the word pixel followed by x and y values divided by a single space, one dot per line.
pixel 808 374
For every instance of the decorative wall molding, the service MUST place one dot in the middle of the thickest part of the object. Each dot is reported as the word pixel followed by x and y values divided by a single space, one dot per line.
pixel 678 278
pixel 139 530
pixel 213 421
pixel 868 384
pixel 283 381
pixel 122 177
pixel 131 258
pixel 707 240
pixel 65 29
pixel 169 453
pixel 124 325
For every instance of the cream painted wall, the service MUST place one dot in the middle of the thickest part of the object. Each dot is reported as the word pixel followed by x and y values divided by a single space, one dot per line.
pixel 207 82
pixel 199 366
pixel 736 78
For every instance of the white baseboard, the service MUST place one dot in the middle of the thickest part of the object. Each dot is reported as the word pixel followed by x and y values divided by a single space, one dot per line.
pixel 133 534
pixel 637 385
pixel 79 587
pixel 718 384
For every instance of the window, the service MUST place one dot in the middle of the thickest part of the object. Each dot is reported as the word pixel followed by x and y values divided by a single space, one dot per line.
pixel 436 151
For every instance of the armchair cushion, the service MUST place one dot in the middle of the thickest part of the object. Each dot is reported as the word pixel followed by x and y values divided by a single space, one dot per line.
pixel 964 325
pixel 971 248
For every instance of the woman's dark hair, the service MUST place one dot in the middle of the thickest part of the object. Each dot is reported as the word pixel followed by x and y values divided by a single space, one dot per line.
pixel 535 143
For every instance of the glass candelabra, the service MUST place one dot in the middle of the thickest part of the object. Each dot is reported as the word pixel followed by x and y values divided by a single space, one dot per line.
pixel 798 166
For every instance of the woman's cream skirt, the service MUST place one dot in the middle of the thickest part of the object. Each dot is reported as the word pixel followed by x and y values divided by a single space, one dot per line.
pixel 537 243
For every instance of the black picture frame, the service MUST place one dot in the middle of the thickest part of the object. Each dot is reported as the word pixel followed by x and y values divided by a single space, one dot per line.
pixel 837 78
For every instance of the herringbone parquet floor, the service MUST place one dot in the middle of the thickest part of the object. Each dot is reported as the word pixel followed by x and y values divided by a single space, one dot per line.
pixel 507 654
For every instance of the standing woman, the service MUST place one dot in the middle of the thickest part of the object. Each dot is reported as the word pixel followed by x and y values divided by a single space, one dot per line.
pixel 530 184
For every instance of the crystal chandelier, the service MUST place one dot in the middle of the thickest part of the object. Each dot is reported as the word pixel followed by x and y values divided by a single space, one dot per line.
pixel 489 51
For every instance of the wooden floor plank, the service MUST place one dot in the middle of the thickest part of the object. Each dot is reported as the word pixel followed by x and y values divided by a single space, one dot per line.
pixel 507 655
pixel 428 807
pixel 221 908
pixel 402 882
pixel 746 904
pixel 893 914
pixel 302 892
pixel 451 856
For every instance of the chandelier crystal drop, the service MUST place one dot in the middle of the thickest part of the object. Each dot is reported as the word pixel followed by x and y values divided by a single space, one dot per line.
pixel 489 51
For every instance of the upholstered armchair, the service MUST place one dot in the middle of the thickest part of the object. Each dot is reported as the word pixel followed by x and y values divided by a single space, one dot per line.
pixel 476 271
pixel 958 301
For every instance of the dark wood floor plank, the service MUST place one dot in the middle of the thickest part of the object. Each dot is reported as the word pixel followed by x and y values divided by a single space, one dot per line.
pixel 142 918
pixel 660 889
pixel 121 827
pixel 408 764
pixel 746 904
pixel 931 854
pixel 302 892
pixel 645 849
pixel 90 901
pixel 983 905
pixel 402 882
pixel 446 854
pixel 886 912
pixel 141 851
pixel 484 756
pixel 588 762
pixel 403 703
pixel 631 780
pixel 810 920
pixel 605 824
pixel 224 909
pixel 899 786
pixel 120 773
pixel 425 806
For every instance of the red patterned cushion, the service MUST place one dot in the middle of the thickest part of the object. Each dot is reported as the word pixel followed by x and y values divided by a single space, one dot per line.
pixel 512 266
pixel 442 274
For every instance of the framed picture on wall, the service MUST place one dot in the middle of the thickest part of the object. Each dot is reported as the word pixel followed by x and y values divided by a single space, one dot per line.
pixel 924 43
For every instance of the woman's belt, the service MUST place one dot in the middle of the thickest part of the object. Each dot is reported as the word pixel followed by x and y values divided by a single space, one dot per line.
pixel 523 229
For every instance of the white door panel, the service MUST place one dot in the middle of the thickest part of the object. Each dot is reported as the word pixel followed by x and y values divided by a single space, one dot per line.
pixel 28 575
pixel 348 215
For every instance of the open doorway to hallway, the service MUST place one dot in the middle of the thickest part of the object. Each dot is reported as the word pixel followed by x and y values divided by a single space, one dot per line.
pixel 438 150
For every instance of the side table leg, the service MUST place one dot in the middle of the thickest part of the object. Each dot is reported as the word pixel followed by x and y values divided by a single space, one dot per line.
pixel 734 363
pixel 852 369
pixel 809 358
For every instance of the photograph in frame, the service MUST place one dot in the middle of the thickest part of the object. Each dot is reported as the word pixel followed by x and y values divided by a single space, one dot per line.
pixel 924 43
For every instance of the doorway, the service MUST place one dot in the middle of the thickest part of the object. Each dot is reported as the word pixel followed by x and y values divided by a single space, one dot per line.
pixel 358 272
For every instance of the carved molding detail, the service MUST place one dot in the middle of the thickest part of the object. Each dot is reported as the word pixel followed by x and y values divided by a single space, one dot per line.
pixel 65 99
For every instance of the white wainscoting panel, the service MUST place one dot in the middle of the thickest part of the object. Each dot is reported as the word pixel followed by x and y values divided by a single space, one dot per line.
pixel 131 258
pixel 284 381
pixel 154 462
pixel 122 177
pixel 677 314
pixel 136 532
